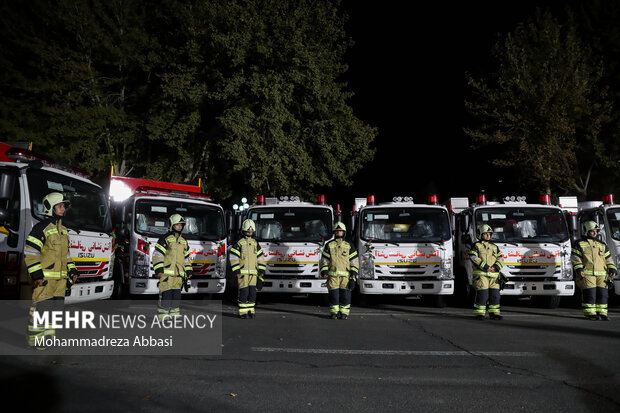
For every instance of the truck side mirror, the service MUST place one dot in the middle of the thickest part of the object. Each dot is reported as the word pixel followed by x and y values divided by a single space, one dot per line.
pixel 7 185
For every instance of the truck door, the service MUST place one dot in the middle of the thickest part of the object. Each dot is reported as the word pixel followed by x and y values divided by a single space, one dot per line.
pixel 12 233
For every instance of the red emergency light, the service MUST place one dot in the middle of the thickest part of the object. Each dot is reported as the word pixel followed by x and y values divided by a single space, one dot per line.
pixel 482 199
pixel 544 199
pixel 433 200
pixel 321 200
pixel 608 199
pixel 338 212
pixel 370 200
pixel 260 199
pixel 9 153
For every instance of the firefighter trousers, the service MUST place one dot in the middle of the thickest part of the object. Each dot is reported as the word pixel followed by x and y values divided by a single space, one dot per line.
pixel 594 300
pixel 37 333
pixel 339 301
pixel 169 303
pixel 484 296
pixel 247 299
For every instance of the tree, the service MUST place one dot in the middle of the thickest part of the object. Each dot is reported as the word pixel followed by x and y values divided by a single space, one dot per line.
pixel 231 91
pixel 544 111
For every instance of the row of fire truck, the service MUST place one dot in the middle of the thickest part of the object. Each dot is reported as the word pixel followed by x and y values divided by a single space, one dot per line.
pixel 405 248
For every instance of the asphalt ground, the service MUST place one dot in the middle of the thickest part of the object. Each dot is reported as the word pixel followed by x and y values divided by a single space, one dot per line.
pixel 395 355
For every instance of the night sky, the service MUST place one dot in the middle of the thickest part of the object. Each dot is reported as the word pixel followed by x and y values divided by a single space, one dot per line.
pixel 406 70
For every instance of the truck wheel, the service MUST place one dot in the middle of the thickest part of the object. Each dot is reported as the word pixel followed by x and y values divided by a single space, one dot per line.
pixel 551 301
pixel 121 290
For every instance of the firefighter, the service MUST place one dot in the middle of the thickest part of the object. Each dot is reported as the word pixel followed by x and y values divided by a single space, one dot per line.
pixel 487 261
pixel 593 268
pixel 49 264
pixel 172 266
pixel 247 264
pixel 339 264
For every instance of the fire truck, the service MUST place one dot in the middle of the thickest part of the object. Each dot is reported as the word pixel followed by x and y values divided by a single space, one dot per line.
pixel 607 215
pixel 140 211
pixel 25 179
pixel 405 248
pixel 535 243
pixel 292 234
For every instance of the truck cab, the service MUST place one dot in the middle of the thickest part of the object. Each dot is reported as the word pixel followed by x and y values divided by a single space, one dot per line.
pixel 535 243
pixel 292 234
pixel 607 215
pixel 405 248
pixel 141 208
pixel 25 178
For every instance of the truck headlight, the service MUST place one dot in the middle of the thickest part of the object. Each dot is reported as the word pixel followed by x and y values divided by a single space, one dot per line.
pixel 367 267
pixel 140 271
pixel 445 269
pixel 220 266
pixel 567 270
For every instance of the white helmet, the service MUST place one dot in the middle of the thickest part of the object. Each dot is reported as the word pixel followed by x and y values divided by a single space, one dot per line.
pixel 51 200
pixel 175 219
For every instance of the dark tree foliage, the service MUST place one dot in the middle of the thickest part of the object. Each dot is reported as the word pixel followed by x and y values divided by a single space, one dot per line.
pixel 239 93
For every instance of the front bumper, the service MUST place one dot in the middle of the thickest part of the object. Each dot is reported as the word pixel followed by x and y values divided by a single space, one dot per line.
pixel 200 286
pixel 82 292
pixel 437 287
pixel 308 286
pixel 562 288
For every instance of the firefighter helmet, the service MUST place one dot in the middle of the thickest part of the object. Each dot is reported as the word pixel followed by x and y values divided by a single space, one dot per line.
pixel 484 228
pixel 176 219
pixel 339 226
pixel 248 225
pixel 590 226
pixel 51 200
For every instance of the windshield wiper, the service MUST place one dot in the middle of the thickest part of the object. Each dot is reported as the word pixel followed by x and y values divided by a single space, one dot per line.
pixel 385 242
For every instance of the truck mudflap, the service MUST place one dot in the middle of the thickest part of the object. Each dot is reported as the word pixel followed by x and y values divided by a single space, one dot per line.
pixel 540 288
pixel 310 286
pixel 199 286
pixel 82 292
pixel 437 287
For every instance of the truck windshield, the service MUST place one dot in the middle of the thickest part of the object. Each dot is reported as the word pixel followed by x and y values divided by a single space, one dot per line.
pixel 523 224
pixel 292 224
pixel 202 222
pixel 613 216
pixel 405 225
pixel 89 207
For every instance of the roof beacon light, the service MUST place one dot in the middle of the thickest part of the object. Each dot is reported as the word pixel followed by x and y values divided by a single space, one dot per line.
pixel 545 199
pixel 370 200
pixel 321 200
pixel 260 199
pixel 608 199
pixel 338 212
pixel 432 199
pixel 482 199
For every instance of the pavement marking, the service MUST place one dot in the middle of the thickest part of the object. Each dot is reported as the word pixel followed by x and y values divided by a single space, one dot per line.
pixel 396 352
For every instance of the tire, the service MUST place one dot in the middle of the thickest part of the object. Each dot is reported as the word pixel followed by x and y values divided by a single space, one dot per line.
pixel 121 290
pixel 551 301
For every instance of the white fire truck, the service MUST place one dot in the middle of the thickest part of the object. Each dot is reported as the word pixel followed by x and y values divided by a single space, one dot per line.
pixel 404 248
pixel 140 211
pixel 25 178
pixel 535 243
pixel 292 234
pixel 607 215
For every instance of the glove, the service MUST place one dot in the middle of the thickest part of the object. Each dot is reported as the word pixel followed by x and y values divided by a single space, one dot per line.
pixel 68 285
pixel 351 284
pixel 259 283
pixel 612 273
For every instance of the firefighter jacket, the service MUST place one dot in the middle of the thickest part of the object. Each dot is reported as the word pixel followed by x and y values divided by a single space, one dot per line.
pixel 592 257
pixel 339 259
pixel 47 251
pixel 171 256
pixel 246 258
pixel 484 255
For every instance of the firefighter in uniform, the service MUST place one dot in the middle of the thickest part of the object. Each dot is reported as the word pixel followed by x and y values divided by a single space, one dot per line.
pixel 172 266
pixel 247 264
pixel 487 261
pixel 339 264
pixel 49 264
pixel 593 268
